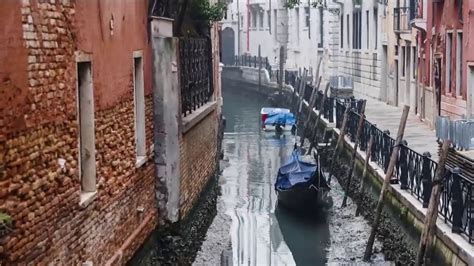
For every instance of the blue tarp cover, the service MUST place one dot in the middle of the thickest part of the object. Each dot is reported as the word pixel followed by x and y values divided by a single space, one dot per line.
pixel 280 118
pixel 294 172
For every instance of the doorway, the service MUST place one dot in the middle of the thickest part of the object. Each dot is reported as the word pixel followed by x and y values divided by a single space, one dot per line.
pixel 384 84
pixel 228 46
pixel 470 88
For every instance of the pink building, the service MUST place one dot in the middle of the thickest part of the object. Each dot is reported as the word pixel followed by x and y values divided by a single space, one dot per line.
pixel 446 65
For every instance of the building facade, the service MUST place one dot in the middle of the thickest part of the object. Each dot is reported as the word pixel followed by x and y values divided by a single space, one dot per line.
pixel 446 69
pixel 301 30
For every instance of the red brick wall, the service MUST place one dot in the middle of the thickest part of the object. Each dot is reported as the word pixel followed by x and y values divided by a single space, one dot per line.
pixel 42 198
pixel 197 161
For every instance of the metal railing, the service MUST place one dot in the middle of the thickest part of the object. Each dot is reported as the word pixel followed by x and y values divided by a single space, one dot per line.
pixel 195 71
pixel 253 61
pixel 414 172
pixel 402 17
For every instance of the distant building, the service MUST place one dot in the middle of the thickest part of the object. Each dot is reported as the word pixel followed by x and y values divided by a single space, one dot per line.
pixel 270 24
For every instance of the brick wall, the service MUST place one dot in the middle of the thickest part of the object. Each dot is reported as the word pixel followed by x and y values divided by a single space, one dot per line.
pixel 197 160
pixel 40 128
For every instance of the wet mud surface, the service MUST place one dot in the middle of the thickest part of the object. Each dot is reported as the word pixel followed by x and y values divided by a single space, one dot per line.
pixel 251 228
pixel 396 245
pixel 179 243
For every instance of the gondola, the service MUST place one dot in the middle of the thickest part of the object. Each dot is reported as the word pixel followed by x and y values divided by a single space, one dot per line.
pixel 301 186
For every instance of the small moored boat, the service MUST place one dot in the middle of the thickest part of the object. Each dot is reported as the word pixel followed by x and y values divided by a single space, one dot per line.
pixel 277 119
pixel 301 185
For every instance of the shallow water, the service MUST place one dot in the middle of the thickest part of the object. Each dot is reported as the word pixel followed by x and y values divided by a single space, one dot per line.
pixel 250 229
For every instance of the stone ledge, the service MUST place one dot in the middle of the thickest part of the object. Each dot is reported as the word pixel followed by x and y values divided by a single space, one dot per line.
pixel 195 117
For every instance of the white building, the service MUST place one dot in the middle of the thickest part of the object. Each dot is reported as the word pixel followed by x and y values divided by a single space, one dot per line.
pixel 371 41
pixel 268 23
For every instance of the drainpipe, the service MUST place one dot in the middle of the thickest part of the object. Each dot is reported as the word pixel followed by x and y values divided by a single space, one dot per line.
pixel 238 28
pixel 248 26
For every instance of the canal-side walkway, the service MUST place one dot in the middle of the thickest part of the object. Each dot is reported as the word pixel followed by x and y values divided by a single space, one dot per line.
pixel 419 136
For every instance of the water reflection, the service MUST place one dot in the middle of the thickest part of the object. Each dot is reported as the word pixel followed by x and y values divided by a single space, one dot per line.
pixel 262 234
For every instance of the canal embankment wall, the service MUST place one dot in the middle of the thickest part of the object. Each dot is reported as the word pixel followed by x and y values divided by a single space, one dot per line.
pixel 404 208
pixel 452 249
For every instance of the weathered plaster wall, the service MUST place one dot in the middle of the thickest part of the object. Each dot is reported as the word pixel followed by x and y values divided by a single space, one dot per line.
pixel 116 29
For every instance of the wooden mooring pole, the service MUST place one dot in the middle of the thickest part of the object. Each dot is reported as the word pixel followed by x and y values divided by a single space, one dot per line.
pixel 310 111
pixel 386 182
pixel 340 139
pixel 425 248
pixel 315 127
pixel 259 68
pixel 364 173
pixel 281 74
pixel 350 173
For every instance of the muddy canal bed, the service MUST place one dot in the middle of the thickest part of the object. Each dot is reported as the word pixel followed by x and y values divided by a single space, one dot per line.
pixel 250 228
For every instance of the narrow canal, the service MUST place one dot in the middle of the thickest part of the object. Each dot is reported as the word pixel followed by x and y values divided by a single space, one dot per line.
pixel 249 228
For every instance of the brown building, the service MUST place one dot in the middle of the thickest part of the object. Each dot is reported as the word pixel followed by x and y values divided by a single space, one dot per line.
pixel 77 168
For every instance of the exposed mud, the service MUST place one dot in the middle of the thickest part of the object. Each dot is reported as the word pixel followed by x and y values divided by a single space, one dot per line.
pixel 179 243
pixel 395 244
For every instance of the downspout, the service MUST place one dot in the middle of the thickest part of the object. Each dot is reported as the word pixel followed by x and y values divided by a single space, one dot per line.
pixel 238 28
pixel 248 26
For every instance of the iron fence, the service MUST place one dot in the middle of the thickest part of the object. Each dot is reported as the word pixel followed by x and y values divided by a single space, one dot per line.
pixel 195 71
pixel 414 172
pixel 253 61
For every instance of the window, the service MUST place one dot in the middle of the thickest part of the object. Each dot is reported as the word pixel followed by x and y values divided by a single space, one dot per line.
pixel 414 62
pixel 87 164
pixel 269 18
pixel 356 30
pixel 347 32
pixel 275 24
pixel 342 31
pixel 321 28
pixel 449 45
pixel 307 17
pixel 139 98
pixel 308 21
pixel 242 21
pixel 254 19
pixel 297 10
pixel 261 19
pixel 459 64
pixel 376 26
pixel 402 58
pixel 367 29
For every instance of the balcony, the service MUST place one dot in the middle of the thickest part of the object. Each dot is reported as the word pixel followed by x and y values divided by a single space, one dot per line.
pixel 418 21
pixel 402 17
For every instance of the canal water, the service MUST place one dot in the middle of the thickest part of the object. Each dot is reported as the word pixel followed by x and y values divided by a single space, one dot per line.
pixel 250 228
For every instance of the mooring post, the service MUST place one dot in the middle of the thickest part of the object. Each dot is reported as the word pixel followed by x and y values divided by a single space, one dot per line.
pixel 302 92
pixel 321 111
pixel 350 173
pixel 340 139
pixel 280 84
pixel 386 182
pixel 425 248
pixel 259 68
pixel 310 111
pixel 364 174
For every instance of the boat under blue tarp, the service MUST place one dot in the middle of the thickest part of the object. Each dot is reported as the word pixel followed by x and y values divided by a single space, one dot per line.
pixel 301 185
pixel 280 119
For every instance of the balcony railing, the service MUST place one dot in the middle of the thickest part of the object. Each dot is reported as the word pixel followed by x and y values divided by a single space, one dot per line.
pixel 402 17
